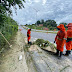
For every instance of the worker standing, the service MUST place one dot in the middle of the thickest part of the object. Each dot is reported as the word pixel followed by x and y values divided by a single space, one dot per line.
pixel 69 39
pixel 29 35
pixel 60 39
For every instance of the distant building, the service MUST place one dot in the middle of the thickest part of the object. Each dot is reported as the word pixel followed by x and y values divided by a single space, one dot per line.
pixel 40 24
pixel 45 28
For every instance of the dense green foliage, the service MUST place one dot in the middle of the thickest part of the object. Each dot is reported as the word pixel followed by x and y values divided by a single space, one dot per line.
pixel 50 24
pixel 46 23
pixel 8 27
pixel 40 22
pixel 5 5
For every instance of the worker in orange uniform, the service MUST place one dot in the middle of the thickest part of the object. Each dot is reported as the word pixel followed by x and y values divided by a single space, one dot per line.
pixel 69 39
pixel 60 39
pixel 29 35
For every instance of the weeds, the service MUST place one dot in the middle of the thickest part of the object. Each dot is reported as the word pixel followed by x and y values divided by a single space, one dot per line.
pixel 41 43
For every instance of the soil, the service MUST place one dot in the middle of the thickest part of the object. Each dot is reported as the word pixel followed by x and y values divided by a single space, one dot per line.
pixel 9 61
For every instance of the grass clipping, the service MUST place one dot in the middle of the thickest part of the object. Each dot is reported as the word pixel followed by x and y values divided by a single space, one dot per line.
pixel 45 45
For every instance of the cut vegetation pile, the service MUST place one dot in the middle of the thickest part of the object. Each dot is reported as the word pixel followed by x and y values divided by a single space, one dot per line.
pixel 45 45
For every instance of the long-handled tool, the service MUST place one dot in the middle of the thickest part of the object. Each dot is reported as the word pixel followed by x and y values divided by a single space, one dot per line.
pixel 6 40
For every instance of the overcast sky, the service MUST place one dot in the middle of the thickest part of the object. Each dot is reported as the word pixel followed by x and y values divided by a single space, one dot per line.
pixel 58 10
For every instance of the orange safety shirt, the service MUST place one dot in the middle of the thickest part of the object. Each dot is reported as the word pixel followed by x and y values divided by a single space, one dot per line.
pixel 29 33
pixel 69 40
pixel 61 37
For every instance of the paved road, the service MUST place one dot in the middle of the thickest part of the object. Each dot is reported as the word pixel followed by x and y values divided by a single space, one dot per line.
pixel 35 35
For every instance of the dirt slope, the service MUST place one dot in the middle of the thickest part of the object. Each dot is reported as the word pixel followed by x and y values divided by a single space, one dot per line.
pixel 10 60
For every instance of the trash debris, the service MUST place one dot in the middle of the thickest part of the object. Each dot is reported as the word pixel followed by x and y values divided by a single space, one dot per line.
pixel 40 45
pixel 10 46
pixel 20 57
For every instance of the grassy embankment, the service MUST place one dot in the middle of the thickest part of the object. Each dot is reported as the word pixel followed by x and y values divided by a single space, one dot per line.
pixel 8 27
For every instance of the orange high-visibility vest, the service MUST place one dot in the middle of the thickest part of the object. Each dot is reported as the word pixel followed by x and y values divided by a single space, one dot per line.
pixel 61 37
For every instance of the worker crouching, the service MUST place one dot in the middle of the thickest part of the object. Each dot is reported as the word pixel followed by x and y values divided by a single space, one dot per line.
pixel 29 35
pixel 69 39
pixel 60 39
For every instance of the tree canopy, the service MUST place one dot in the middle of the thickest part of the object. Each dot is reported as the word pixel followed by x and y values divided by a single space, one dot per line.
pixel 5 5
pixel 38 22
pixel 47 23
pixel 8 27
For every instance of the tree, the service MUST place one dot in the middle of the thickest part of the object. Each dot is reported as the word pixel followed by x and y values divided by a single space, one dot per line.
pixel 45 24
pixel 26 24
pixel 5 5
pixel 51 23
pixel 38 22
pixel 5 8
pixel 42 21
pixel 33 24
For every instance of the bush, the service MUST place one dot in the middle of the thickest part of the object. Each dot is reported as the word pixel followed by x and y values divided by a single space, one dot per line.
pixel 8 28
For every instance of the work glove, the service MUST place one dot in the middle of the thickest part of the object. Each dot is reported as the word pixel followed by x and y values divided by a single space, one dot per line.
pixel 54 41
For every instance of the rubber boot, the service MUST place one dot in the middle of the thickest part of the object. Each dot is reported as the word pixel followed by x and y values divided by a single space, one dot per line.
pixel 57 53
pixel 67 53
pixel 60 54
pixel 28 42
